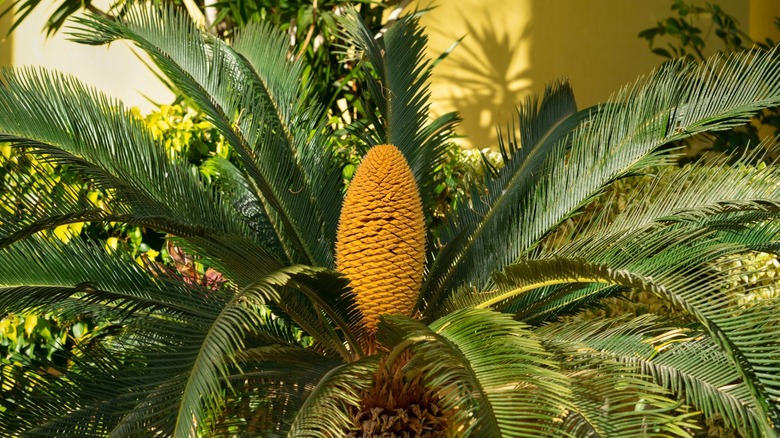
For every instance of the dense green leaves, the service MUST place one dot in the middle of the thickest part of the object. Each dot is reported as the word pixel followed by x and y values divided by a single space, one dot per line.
pixel 529 198
pixel 492 371
pixel 275 345
pixel 262 114
pixel 400 95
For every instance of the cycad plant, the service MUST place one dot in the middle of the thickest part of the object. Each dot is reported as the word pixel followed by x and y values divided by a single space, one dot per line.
pixel 458 331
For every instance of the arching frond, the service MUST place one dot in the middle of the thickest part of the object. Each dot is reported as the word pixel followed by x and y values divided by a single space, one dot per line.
pixel 322 415
pixel 63 120
pixel 490 369
pixel 746 336
pixel 683 361
pixel 73 125
pixel 702 192
pixel 544 125
pixel 169 359
pixel 616 141
pixel 401 95
pixel 269 386
pixel 257 106
pixel 300 116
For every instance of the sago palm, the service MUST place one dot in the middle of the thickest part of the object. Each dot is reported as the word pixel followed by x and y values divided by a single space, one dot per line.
pixel 347 315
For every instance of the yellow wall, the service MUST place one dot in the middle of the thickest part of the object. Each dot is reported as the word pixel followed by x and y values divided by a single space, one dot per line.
pixel 762 20
pixel 114 69
pixel 514 47
pixel 6 41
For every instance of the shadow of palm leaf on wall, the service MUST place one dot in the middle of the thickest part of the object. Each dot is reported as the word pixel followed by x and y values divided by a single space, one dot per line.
pixel 485 77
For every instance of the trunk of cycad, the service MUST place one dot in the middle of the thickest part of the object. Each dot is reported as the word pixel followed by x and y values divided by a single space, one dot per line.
pixel 380 247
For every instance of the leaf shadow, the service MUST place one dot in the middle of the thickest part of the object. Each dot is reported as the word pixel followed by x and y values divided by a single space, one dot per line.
pixel 487 77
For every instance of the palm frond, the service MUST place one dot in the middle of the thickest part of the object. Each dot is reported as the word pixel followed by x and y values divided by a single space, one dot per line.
pixel 320 302
pixel 735 205
pixel 300 118
pixel 704 192
pixel 681 360
pixel 613 398
pixel 168 361
pixel 161 324
pixel 323 413
pixel 234 188
pixel 549 303
pixel 490 369
pixel 258 111
pixel 618 140
pixel 70 124
pixel 699 291
pixel 701 373
pixel 39 271
pixel 400 93
pixel 543 125
pixel 268 388
pixel 58 117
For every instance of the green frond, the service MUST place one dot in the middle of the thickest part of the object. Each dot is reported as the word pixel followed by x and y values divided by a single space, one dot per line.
pixel 163 322
pixel 701 373
pixel 268 388
pixel 470 234
pixel 323 413
pixel 745 335
pixel 612 397
pixel 635 260
pixel 320 302
pixel 237 190
pixel 253 106
pixel 60 119
pixel 70 124
pixel 712 194
pixel 222 340
pixel 400 94
pixel 490 369
pixel 755 235
pixel 615 141
pixel 690 366
pixel 40 272
pixel 300 118
pixel 549 303
pixel 612 400
pixel 168 360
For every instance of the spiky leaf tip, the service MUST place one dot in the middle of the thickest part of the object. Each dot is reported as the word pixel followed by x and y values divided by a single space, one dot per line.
pixel 380 245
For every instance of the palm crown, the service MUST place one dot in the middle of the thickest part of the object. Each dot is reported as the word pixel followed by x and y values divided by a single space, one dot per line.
pixel 471 340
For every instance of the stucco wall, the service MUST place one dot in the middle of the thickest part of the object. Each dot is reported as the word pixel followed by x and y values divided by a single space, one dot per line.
pixel 6 41
pixel 115 69
pixel 513 48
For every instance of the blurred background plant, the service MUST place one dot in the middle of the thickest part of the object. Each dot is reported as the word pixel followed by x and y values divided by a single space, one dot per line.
pixel 695 31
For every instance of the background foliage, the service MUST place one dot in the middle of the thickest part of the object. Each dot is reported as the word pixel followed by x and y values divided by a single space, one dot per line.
pixel 682 36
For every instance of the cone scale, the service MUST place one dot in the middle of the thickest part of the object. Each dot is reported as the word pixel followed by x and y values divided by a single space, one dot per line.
pixel 380 245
